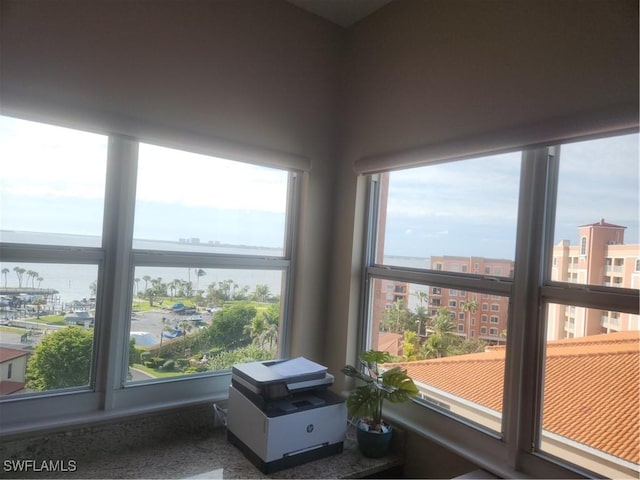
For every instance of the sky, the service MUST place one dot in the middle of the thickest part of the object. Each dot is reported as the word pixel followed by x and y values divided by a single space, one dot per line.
pixel 179 194
pixel 470 207
pixel 461 208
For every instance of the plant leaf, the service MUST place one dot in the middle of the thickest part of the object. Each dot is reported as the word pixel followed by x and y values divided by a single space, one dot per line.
pixel 362 402
pixel 399 385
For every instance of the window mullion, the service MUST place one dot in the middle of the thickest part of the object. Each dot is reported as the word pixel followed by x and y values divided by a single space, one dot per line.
pixel 524 356
pixel 113 302
pixel 290 248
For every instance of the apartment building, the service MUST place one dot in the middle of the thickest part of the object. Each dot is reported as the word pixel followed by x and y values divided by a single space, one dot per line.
pixel 487 320
pixel 600 258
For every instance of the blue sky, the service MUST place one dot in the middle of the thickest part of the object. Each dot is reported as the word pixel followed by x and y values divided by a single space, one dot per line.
pixel 470 207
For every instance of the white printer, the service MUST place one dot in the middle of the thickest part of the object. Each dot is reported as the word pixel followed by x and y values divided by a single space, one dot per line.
pixel 281 413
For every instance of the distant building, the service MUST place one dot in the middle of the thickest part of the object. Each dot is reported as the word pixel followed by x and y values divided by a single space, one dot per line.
pixel 599 258
pixel 13 370
pixel 489 321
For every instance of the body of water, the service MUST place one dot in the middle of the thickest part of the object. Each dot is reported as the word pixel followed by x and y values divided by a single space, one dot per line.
pixel 74 281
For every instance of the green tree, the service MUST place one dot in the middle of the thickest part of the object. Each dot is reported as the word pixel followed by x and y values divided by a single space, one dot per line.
pixel 62 359
pixel 227 329
pixel 5 271
pixel 261 293
pixel 438 343
pixel 397 319
pixel 264 328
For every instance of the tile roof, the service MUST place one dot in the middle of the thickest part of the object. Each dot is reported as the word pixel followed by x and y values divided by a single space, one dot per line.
pixel 591 394
pixel 7 387
pixel 11 353
pixel 602 223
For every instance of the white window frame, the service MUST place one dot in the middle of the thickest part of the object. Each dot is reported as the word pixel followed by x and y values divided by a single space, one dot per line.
pixel 109 395
pixel 516 448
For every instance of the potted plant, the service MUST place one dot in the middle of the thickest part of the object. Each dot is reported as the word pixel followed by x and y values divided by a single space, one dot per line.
pixel 365 401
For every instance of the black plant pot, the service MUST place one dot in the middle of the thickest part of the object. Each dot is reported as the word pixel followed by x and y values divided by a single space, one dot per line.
pixel 374 444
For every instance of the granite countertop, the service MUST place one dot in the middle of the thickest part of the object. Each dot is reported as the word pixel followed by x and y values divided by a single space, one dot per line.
pixel 212 456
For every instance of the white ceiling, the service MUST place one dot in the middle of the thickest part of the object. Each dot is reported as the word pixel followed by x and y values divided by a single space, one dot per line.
pixel 341 12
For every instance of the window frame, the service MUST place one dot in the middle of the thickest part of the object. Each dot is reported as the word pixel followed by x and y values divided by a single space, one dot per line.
pixel 109 395
pixel 529 289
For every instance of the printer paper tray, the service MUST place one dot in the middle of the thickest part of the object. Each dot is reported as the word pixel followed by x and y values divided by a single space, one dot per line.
pixel 286 461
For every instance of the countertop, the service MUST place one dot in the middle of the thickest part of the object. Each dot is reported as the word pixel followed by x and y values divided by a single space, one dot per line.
pixel 212 456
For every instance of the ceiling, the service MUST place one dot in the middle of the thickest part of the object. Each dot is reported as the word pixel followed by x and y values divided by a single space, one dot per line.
pixel 341 12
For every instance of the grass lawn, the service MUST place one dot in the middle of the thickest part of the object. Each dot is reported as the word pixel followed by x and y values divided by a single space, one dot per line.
pixel 12 330
pixel 156 373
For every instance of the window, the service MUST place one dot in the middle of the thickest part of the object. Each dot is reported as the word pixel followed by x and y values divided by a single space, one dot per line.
pixel 411 208
pixel 104 238
pixel 52 193
pixel 583 246
pixel 564 185
pixel 610 194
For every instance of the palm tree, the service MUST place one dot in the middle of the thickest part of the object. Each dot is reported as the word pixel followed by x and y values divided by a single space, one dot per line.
pixel 4 272
pixel 469 307
pixel 146 279
pixel 199 273
pixel 438 342
pixel 137 282
pixel 423 297
pixel 40 280
pixel 19 273
pixel 32 275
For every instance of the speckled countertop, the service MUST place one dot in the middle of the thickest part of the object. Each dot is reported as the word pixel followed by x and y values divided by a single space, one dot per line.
pixel 212 456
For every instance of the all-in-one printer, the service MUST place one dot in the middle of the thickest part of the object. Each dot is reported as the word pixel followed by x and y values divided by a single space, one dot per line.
pixel 281 413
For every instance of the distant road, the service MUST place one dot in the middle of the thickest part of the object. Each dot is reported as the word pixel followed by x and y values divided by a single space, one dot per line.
pixel 137 375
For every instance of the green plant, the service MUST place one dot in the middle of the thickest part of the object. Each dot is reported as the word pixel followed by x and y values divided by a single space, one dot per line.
pixel 366 401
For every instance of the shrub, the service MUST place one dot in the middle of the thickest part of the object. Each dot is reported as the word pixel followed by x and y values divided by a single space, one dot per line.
pixel 169 365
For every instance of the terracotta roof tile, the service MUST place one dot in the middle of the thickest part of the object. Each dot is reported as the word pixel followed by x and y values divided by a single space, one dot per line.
pixel 591 394
pixel 11 353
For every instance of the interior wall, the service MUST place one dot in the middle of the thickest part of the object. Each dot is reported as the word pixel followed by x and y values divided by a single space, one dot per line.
pixel 427 71
pixel 259 73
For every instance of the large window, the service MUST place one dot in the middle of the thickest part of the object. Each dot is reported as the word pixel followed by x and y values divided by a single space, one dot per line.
pixel 437 224
pixel 540 247
pixel 591 370
pixel 127 265
pixel 52 195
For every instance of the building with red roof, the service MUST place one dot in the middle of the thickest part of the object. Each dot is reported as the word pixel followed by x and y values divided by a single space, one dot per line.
pixel 583 416
pixel 13 368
